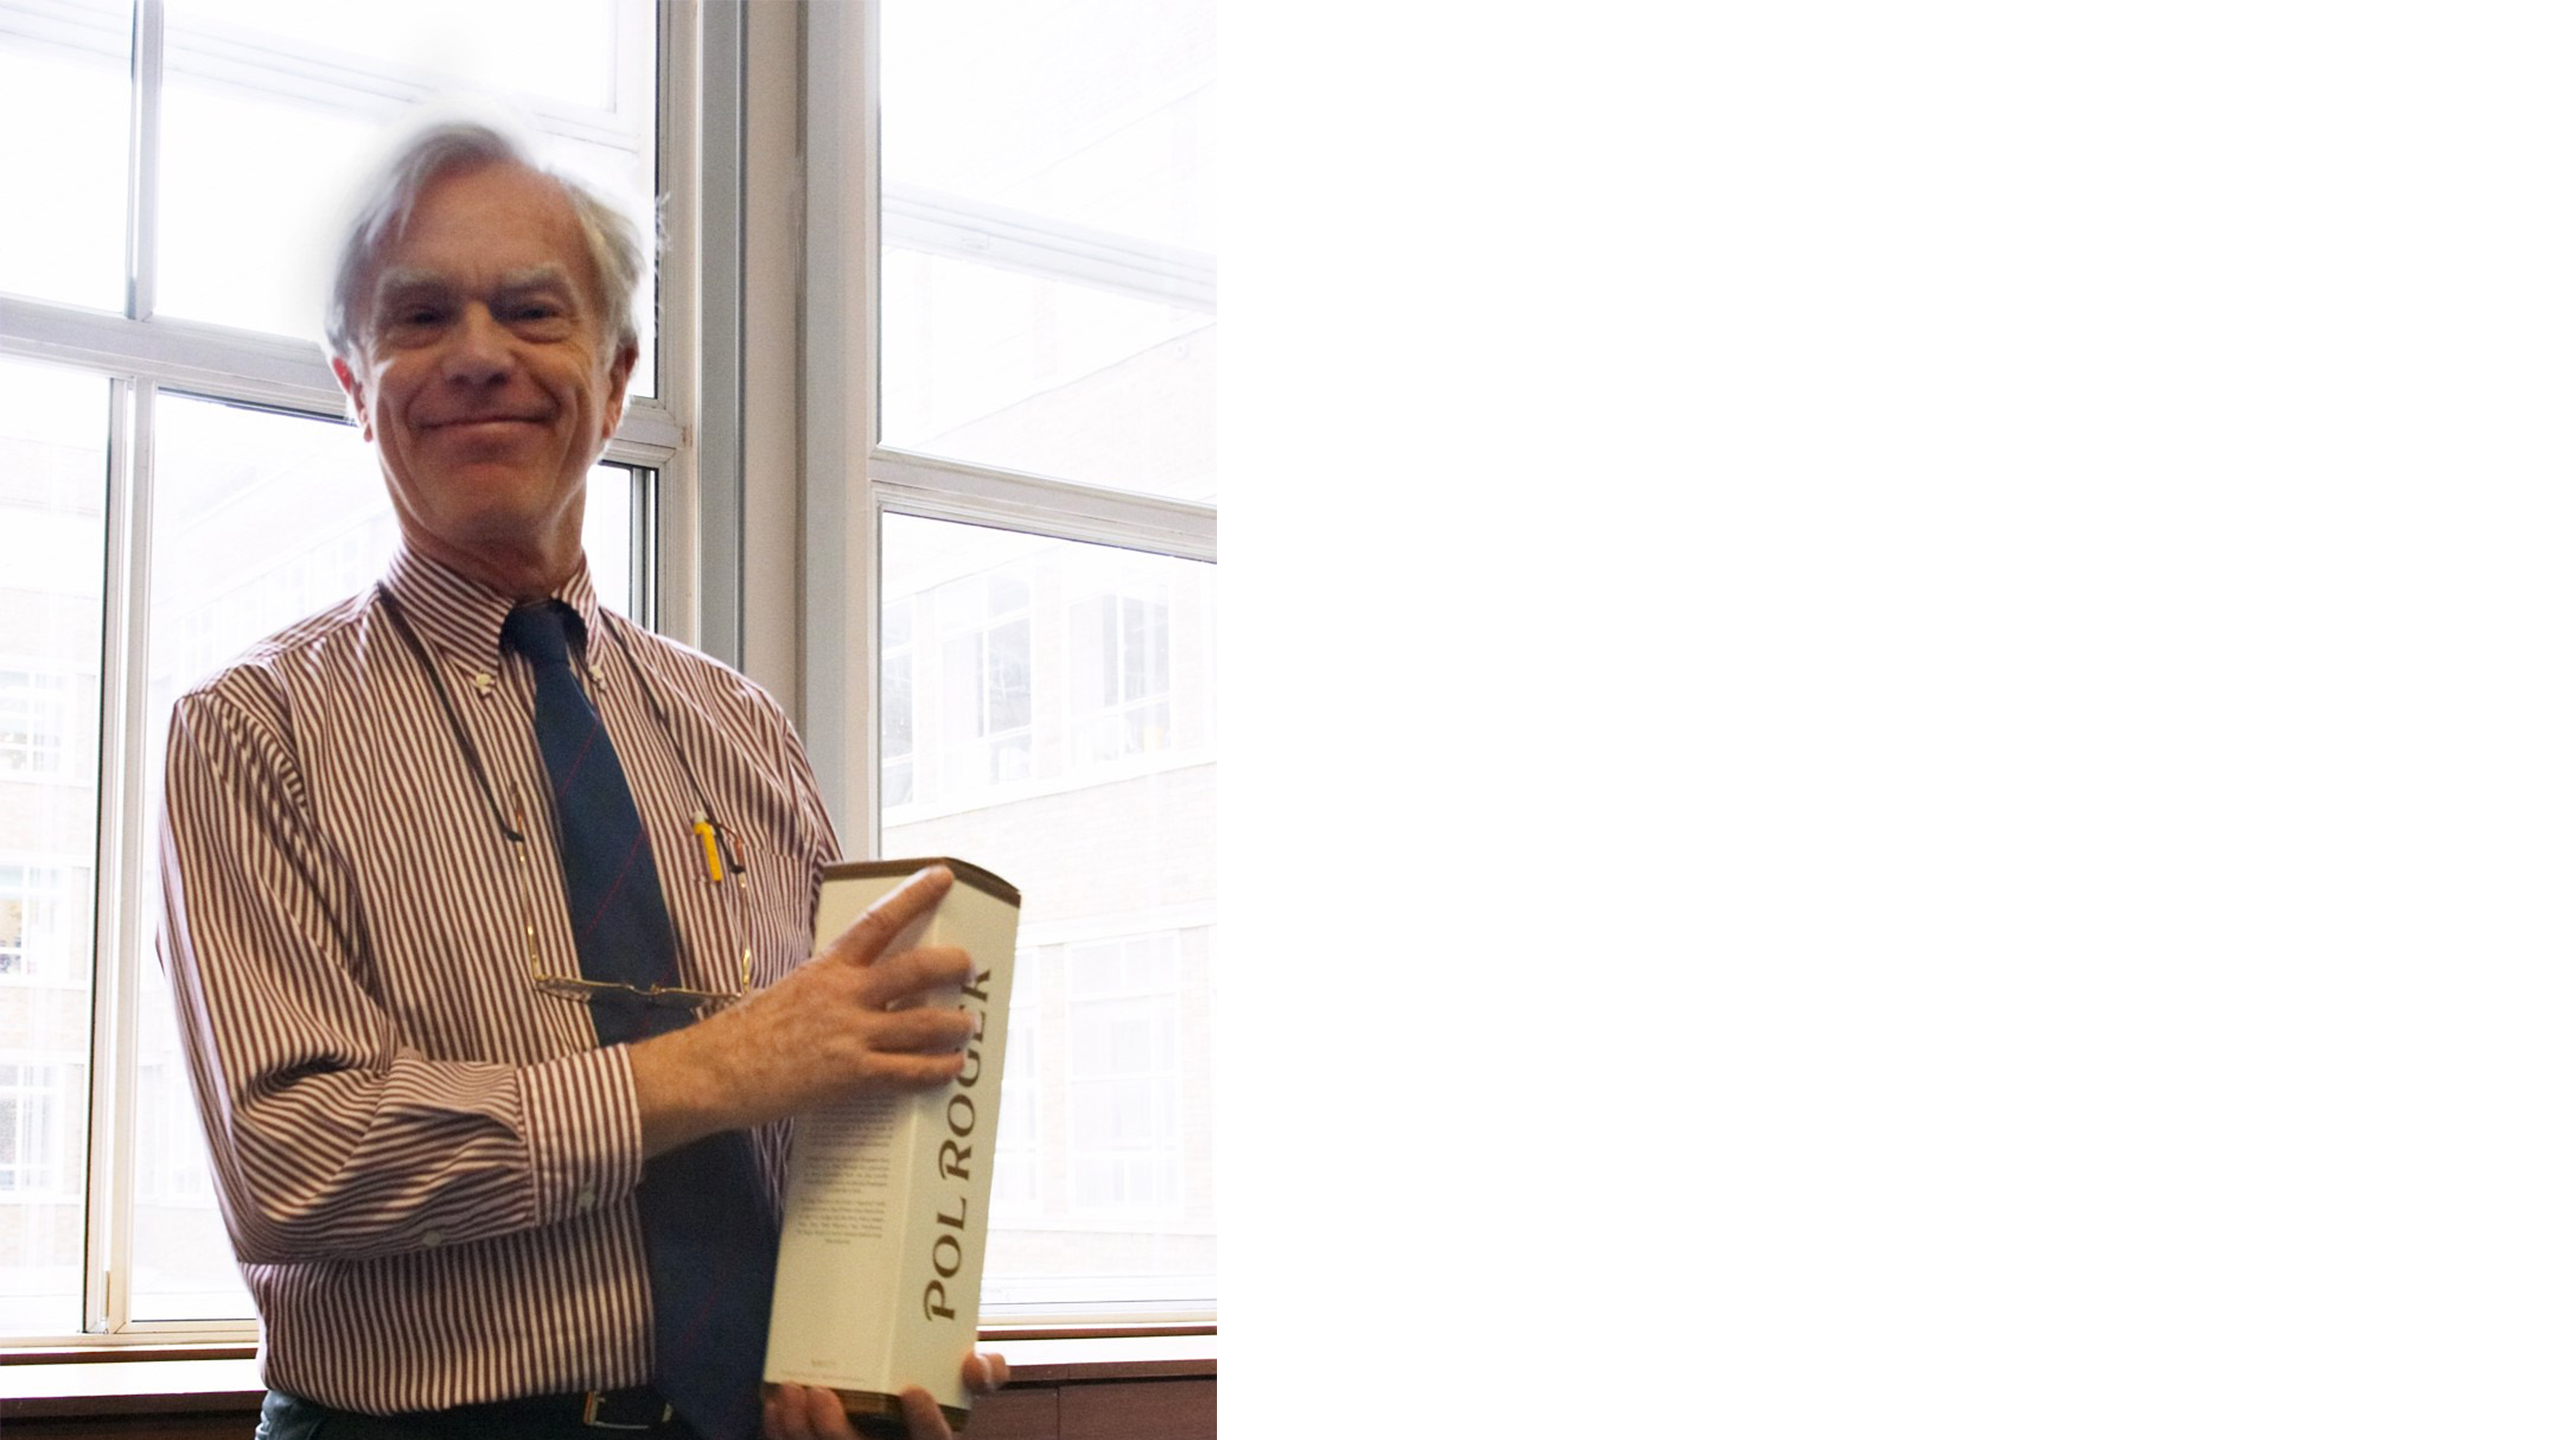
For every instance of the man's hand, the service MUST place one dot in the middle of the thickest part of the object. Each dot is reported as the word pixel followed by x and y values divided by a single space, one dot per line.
pixel 809 1412
pixel 850 1020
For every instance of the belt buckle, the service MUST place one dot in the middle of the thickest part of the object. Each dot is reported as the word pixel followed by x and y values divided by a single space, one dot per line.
pixel 597 1399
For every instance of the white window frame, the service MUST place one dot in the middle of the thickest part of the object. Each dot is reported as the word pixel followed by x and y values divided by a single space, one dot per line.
pixel 141 354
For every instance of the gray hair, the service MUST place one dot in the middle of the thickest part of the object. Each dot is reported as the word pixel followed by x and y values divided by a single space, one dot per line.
pixel 391 192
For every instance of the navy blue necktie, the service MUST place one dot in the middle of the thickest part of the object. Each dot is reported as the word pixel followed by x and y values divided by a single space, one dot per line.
pixel 710 1239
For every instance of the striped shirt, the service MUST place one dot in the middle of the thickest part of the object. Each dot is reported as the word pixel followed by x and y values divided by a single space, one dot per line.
pixel 426 1164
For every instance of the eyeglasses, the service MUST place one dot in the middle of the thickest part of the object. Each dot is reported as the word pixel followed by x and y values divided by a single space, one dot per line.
pixel 717 845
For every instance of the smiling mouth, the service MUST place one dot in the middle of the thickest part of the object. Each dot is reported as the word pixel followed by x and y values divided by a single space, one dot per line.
pixel 470 421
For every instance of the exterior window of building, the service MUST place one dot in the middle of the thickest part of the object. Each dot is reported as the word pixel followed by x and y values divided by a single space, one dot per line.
pixel 42 918
pixel 1120 664
pixel 1018 1129
pixel 1039 463
pixel 988 666
pixel 897 703
pixel 35 721
pixel 40 1105
pixel 1124 1074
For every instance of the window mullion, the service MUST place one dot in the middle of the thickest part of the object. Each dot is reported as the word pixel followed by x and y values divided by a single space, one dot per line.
pixel 936 489
pixel 142 205
pixel 209 359
pixel 122 917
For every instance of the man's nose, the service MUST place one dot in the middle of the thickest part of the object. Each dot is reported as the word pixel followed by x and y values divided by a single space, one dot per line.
pixel 479 350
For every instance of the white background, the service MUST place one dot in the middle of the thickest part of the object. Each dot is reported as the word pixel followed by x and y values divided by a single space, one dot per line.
pixel 1893 685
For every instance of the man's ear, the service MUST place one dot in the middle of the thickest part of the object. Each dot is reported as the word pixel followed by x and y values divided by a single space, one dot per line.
pixel 620 379
pixel 355 395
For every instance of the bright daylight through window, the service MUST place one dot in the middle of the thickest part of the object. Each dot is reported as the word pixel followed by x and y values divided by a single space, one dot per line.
pixel 1047 695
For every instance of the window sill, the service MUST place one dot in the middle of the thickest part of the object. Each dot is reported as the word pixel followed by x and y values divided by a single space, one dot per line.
pixel 58 1384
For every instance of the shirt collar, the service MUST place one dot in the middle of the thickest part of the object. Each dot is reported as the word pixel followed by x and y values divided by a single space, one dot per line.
pixel 461 616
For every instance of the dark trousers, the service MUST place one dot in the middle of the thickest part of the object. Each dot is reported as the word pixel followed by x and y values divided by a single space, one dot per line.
pixel 556 1417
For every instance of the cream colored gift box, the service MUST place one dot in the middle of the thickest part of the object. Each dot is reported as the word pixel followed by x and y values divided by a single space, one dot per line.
pixel 885 1226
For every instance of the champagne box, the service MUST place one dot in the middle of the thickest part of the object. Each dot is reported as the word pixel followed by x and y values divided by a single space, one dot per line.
pixel 885 1222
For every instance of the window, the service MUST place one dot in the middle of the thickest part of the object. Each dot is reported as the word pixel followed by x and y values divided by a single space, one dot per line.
pixel 36 726
pixel 1018 1128
pixel 1118 667
pixel 177 479
pixel 897 703
pixel 44 929
pixel 1124 1074
pixel 40 1102
pixel 987 669
pixel 1029 409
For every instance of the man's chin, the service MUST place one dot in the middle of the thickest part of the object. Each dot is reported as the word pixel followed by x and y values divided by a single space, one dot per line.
pixel 491 442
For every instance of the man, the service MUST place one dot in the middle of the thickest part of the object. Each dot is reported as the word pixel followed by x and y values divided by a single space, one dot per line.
pixel 463 1173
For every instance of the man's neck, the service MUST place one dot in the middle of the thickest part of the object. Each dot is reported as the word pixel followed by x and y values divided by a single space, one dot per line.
pixel 524 574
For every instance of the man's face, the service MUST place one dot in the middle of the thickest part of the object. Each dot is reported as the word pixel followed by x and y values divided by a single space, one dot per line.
pixel 486 383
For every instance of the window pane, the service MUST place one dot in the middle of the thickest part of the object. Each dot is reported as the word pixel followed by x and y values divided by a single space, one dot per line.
pixel 272 106
pixel 65 76
pixel 1048 283
pixel 53 485
pixel 607 536
pixel 1103 1163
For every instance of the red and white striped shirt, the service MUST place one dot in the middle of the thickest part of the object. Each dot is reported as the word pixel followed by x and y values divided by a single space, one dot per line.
pixel 426 1163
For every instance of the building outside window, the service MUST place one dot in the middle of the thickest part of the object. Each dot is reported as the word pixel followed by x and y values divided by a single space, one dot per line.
pixel 44 921
pixel 1039 468
pixel 897 703
pixel 1124 1074
pixel 1120 668
pixel 39 1121
pixel 1018 1125
pixel 987 674
pixel 36 712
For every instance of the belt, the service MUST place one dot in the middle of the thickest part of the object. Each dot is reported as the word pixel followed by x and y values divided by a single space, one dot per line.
pixel 601 1413
pixel 636 1409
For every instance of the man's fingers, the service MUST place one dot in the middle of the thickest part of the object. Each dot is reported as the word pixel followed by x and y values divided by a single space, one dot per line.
pixel 913 1072
pixel 922 1031
pixel 924 1417
pixel 984 1373
pixel 911 974
pixel 867 938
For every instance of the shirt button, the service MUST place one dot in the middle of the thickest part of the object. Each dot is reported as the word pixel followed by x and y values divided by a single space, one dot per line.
pixel 586 1199
pixel 482 681
pixel 432 1239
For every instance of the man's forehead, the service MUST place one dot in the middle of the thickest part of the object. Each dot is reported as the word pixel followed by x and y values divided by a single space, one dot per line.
pixel 504 212
pixel 394 279
pixel 484 227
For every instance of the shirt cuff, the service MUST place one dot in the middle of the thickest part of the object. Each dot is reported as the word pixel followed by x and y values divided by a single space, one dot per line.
pixel 582 1132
